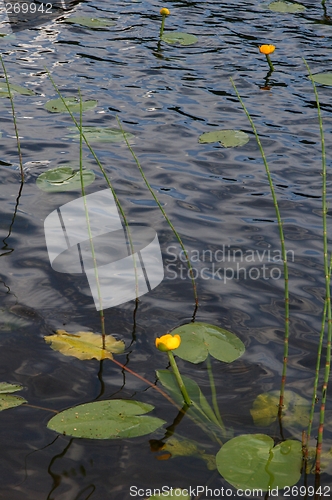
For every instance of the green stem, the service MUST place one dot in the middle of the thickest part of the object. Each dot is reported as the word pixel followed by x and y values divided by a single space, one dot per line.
pixel 327 284
pixel 283 252
pixel 14 120
pixel 162 27
pixel 214 392
pixel 270 62
pixel 105 177
pixel 178 377
pixel 101 311
pixel 163 212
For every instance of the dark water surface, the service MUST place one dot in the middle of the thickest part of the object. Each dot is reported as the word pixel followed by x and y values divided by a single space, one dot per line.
pixel 217 198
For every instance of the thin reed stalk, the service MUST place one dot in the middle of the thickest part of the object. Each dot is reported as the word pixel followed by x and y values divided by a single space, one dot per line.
pixel 101 310
pixel 327 283
pixel 214 393
pixel 14 120
pixel 283 252
pixel 163 212
pixel 124 218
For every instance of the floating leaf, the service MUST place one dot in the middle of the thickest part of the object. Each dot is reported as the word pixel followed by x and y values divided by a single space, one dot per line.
pixel 252 461
pixel 7 400
pixel 90 22
pixel 228 138
pixel 73 103
pixel 63 179
pixel 200 339
pixel 179 37
pixel 14 89
pixel 113 419
pixel 174 493
pixel 99 134
pixel 295 411
pixel 292 8
pixel 323 78
pixel 5 387
pixel 85 345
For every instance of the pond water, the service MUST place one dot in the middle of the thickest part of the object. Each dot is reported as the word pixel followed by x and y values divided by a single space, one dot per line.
pixel 217 198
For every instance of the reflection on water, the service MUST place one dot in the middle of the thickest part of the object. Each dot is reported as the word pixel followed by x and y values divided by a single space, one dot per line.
pixel 217 198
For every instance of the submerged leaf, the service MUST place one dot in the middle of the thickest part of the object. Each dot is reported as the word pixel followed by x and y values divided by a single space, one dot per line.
pixel 179 37
pixel 186 448
pixel 73 103
pixel 113 419
pixel 295 411
pixel 323 78
pixel 90 22
pixel 100 134
pixel 200 339
pixel 64 178
pixel 252 461
pixel 228 138
pixel 290 7
pixel 85 345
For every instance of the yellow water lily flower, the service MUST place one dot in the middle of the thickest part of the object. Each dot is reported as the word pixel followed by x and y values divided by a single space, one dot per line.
pixel 165 12
pixel 267 49
pixel 168 342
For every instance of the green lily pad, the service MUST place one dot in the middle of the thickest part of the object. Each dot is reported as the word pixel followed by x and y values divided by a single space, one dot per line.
pixel 252 461
pixel 200 339
pixel 63 179
pixel 323 78
pixel 100 134
pixel 7 400
pixel 90 22
pixel 174 493
pixel 15 89
pixel 292 8
pixel 179 37
pixel 73 103
pixel 295 411
pixel 228 138
pixel 113 419
pixel 5 387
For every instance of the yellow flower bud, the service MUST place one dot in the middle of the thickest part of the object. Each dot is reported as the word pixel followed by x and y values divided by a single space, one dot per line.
pixel 164 12
pixel 267 49
pixel 168 342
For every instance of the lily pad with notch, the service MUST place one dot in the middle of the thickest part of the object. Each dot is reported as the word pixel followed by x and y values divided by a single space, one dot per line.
pixel 288 7
pixel 114 419
pixel 14 89
pixel 73 103
pixel 179 37
pixel 323 78
pixel 200 339
pixel 100 134
pixel 64 178
pixel 90 22
pixel 251 461
pixel 228 138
